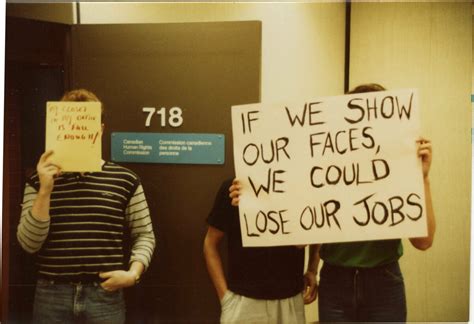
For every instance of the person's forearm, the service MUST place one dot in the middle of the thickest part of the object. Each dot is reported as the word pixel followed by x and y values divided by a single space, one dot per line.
pixel 429 211
pixel 40 209
pixel 41 205
pixel 215 269
pixel 136 269
pixel 139 222
pixel 32 231
pixel 423 243
pixel 313 259
pixel 143 247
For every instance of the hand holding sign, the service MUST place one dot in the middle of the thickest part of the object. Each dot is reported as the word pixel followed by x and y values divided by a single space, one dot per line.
pixel 47 171
pixel 234 190
pixel 425 152
pixel 334 169
pixel 73 131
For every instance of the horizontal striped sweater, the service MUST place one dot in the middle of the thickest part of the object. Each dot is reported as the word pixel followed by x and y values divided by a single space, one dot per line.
pixel 89 214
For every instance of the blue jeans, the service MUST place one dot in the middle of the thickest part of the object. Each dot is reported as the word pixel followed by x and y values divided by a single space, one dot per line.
pixel 362 295
pixel 77 303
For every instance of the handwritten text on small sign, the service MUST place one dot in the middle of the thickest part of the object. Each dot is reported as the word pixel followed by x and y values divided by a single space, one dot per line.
pixel 73 131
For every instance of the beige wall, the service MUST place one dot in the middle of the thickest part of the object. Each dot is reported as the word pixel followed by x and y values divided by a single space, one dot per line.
pixel 428 46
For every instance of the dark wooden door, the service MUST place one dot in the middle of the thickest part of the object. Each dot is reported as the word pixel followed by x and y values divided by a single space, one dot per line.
pixel 203 68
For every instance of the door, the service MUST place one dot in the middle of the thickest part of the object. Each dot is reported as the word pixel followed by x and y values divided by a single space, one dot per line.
pixel 204 69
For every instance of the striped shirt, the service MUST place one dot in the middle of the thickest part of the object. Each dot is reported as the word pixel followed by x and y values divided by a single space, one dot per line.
pixel 89 214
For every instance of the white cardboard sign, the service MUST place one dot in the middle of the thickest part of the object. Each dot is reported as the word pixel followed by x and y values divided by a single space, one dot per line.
pixel 332 169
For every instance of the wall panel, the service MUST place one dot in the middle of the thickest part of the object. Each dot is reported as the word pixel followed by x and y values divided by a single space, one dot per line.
pixel 428 46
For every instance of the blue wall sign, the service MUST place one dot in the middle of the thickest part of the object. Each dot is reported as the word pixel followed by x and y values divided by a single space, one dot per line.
pixel 168 148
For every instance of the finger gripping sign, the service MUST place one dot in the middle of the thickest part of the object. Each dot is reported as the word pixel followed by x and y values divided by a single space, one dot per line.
pixel 334 169
pixel 73 132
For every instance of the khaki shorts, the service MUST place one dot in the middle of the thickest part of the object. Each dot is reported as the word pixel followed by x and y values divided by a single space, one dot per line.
pixel 240 309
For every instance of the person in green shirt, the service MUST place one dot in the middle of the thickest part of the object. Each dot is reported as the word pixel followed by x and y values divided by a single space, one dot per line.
pixel 362 281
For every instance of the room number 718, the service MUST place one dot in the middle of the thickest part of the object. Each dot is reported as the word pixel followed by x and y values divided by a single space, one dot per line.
pixel 173 117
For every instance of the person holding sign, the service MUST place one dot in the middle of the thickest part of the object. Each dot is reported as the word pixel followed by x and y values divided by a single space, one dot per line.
pixel 74 223
pixel 362 281
pixel 264 284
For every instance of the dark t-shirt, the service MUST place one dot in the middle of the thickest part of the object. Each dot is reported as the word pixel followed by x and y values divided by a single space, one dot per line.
pixel 261 273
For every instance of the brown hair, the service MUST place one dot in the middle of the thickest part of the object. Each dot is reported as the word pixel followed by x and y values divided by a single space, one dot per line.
pixel 79 95
pixel 369 87
pixel 83 95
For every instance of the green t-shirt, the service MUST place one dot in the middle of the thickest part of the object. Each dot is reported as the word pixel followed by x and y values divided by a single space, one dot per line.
pixel 362 254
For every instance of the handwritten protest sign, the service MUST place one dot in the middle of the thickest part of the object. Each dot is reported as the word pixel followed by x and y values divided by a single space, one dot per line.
pixel 332 169
pixel 73 131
